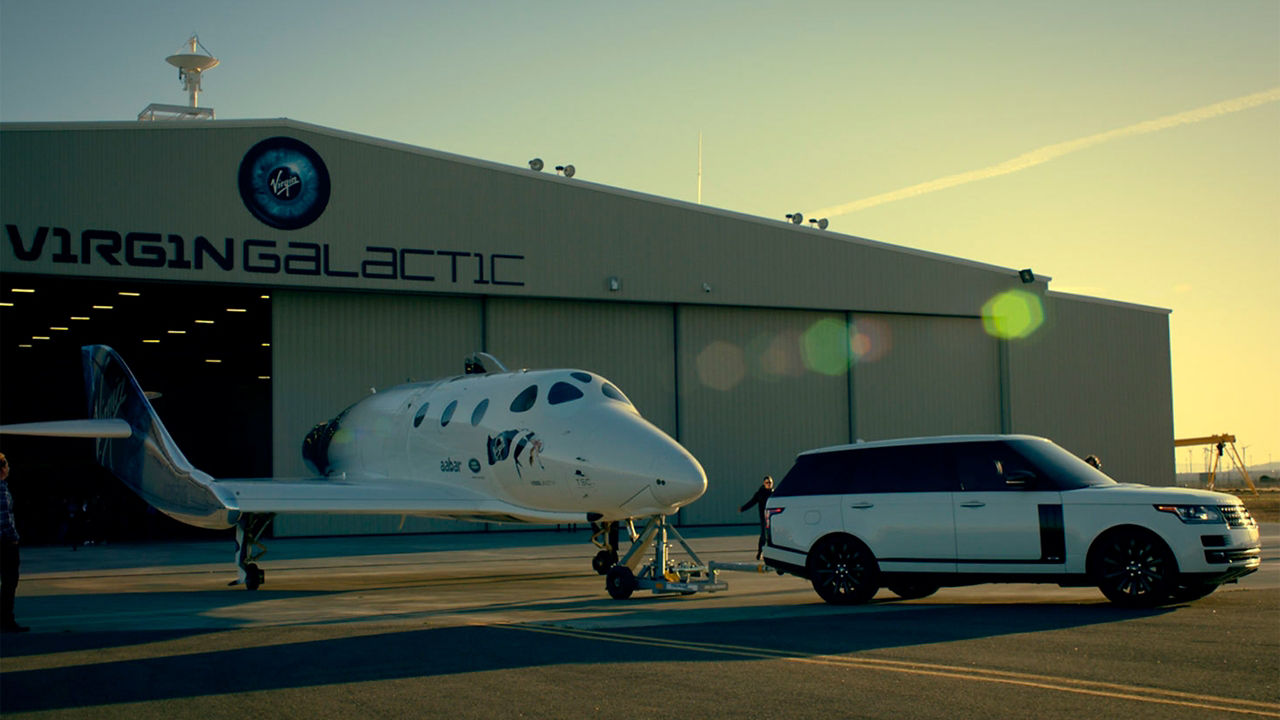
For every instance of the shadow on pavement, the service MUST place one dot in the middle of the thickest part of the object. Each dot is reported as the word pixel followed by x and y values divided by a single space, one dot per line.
pixel 433 652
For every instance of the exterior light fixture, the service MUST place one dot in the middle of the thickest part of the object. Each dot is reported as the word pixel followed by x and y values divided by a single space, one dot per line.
pixel 1026 276
pixel 795 218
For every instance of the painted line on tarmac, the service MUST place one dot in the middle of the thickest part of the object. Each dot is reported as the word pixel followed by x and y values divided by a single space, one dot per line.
pixel 1044 682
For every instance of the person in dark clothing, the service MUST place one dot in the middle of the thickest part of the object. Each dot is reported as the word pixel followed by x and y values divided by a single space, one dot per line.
pixel 759 499
pixel 8 554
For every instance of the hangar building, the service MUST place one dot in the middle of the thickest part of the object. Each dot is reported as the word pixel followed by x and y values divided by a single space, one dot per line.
pixel 313 264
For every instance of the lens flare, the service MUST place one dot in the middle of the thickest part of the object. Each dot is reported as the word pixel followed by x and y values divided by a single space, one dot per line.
pixel 869 339
pixel 772 356
pixel 824 347
pixel 1012 314
pixel 721 365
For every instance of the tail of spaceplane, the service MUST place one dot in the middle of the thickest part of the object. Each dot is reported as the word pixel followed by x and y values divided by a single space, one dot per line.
pixel 132 443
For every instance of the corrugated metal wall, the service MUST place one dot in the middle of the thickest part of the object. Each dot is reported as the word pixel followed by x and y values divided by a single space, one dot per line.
pixel 748 400
pixel 917 375
pixel 330 348
pixel 1095 378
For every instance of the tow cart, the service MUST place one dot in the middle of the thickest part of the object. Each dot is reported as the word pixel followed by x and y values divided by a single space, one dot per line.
pixel 664 575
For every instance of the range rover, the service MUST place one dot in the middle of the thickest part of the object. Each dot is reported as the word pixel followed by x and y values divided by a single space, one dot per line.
pixel 918 514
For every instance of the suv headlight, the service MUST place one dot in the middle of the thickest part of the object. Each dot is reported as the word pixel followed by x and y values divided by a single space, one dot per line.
pixel 1194 514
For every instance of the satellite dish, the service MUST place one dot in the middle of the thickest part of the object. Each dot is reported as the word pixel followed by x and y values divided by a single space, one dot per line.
pixel 535 164
pixel 191 65
pixel 568 171
pixel 796 218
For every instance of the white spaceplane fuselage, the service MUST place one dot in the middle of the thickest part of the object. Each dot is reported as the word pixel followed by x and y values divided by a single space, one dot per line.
pixel 546 446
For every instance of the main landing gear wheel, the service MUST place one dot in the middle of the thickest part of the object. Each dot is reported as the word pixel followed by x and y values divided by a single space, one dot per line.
pixel 253 577
pixel 843 571
pixel 604 560
pixel 1134 569
pixel 620 582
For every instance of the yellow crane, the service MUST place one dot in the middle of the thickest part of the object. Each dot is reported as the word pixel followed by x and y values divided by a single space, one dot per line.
pixel 1224 443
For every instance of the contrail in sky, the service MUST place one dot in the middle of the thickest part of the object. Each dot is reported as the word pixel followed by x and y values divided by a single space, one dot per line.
pixel 1051 152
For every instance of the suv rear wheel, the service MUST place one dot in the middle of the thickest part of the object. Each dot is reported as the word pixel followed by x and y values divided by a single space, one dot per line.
pixel 1133 568
pixel 843 571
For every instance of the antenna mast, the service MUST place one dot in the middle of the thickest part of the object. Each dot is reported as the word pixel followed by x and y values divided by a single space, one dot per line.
pixel 191 66
pixel 699 167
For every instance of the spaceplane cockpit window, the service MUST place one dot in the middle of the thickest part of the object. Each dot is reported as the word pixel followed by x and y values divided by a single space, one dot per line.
pixel 422 412
pixel 447 415
pixel 614 393
pixel 563 392
pixel 525 399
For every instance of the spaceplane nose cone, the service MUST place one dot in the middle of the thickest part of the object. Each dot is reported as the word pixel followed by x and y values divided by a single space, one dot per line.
pixel 680 478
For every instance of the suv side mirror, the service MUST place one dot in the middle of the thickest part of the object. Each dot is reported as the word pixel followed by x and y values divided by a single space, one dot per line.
pixel 1019 478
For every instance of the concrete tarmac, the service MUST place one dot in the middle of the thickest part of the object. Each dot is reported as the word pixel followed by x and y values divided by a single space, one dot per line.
pixel 515 624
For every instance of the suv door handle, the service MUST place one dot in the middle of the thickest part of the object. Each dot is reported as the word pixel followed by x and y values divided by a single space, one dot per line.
pixel 973 504
pixel 862 506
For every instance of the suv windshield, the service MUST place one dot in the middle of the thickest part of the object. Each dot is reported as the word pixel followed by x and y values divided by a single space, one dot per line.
pixel 1065 470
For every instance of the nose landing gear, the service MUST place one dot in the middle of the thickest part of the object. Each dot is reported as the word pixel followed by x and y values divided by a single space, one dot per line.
pixel 664 575
pixel 605 537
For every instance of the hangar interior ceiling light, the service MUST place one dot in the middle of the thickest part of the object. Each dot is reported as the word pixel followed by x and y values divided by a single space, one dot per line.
pixel 45 326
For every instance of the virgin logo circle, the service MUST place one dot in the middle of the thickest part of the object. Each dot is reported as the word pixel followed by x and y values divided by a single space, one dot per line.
pixel 284 183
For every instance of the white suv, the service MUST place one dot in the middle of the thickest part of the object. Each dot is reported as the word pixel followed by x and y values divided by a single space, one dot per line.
pixel 915 515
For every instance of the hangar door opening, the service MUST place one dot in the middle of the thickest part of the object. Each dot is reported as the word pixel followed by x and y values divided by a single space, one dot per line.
pixel 205 351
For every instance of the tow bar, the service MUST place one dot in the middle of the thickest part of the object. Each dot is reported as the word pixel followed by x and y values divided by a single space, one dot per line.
pixel 664 575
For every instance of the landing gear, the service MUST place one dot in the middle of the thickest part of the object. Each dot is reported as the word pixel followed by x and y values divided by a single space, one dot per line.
pixel 603 561
pixel 248 531
pixel 664 575
pixel 605 537
pixel 253 576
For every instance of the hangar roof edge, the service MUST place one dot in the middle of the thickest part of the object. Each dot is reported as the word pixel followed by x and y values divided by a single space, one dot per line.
pixel 1106 301
pixel 134 125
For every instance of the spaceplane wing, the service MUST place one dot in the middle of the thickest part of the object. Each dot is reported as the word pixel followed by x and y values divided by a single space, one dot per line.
pixel 544 446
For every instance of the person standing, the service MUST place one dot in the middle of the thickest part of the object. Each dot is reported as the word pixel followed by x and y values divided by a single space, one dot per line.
pixel 8 554
pixel 759 499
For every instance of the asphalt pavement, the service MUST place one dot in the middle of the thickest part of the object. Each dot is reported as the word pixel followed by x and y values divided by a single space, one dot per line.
pixel 516 624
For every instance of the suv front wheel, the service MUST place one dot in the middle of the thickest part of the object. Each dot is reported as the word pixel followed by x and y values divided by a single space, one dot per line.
pixel 1134 568
pixel 843 571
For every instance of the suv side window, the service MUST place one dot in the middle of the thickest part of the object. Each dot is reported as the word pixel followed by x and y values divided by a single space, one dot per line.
pixel 920 468
pixel 818 474
pixel 990 467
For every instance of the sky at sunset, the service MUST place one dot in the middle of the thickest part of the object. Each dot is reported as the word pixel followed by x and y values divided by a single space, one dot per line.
pixel 1128 150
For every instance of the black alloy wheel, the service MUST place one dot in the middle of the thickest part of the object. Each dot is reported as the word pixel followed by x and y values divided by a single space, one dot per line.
pixel 843 571
pixel 1134 568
